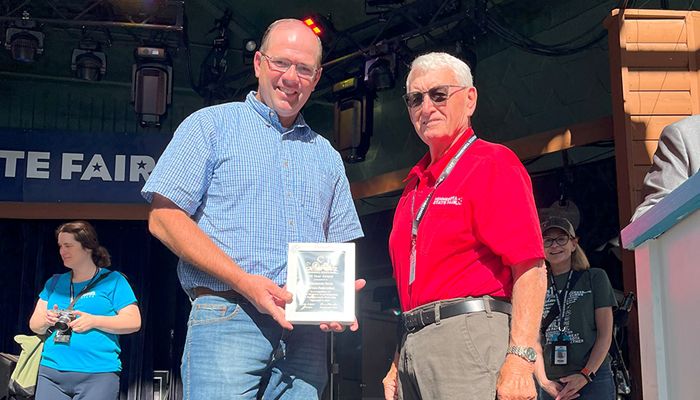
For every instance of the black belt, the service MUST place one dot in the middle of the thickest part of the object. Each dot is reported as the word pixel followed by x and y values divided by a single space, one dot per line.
pixel 200 291
pixel 416 320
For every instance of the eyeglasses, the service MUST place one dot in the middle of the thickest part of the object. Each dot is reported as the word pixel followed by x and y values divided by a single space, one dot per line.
pixel 283 65
pixel 559 240
pixel 437 94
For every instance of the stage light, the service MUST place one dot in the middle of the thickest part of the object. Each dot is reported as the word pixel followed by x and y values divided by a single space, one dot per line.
pixel 353 119
pixel 311 23
pixel 24 40
pixel 88 62
pixel 321 26
pixel 250 45
pixel 380 66
pixel 380 72
pixel 151 85
pixel 249 48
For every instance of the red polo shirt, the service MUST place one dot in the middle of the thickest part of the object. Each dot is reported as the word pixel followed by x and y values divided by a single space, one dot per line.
pixel 481 220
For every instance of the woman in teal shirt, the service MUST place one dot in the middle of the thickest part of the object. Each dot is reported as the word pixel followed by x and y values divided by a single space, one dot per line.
pixel 83 362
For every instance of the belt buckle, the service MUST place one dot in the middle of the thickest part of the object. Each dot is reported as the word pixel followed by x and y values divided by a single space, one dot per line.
pixel 409 322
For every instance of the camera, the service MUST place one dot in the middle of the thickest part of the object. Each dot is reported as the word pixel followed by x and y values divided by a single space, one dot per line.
pixel 61 327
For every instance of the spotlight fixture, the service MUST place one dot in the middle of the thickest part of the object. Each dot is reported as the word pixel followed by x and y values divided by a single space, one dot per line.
pixel 250 46
pixel 353 120
pixel 88 61
pixel 151 84
pixel 380 68
pixel 380 72
pixel 24 40
pixel 321 26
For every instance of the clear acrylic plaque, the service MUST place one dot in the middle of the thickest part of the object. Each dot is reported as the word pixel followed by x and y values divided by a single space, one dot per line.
pixel 321 276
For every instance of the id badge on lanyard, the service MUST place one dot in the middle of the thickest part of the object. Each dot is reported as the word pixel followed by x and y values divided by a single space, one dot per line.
pixel 561 342
pixel 560 350
pixel 421 211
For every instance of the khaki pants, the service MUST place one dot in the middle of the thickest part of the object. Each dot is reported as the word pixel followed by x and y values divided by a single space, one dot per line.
pixel 455 358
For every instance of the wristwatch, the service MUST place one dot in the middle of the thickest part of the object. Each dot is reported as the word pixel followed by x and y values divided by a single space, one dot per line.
pixel 588 374
pixel 526 353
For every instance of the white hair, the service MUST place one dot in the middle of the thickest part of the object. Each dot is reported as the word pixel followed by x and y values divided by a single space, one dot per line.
pixel 432 61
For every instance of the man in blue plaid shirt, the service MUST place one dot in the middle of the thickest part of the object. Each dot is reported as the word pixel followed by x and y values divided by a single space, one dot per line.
pixel 237 183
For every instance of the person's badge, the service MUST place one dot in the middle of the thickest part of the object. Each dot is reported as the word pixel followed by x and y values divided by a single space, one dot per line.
pixel 560 353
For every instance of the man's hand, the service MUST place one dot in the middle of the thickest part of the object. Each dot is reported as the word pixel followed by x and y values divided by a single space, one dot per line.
pixel 572 384
pixel 267 297
pixel 338 327
pixel 391 383
pixel 515 381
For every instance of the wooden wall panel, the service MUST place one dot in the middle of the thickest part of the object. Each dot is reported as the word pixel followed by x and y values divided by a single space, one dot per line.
pixel 658 103
pixel 649 127
pixel 656 31
pixel 654 82
pixel 650 54
pixel 642 152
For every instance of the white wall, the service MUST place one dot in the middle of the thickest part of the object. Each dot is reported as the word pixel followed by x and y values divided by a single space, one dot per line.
pixel 668 285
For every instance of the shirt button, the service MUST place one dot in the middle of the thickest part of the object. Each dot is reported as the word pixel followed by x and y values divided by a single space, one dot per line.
pixel 285 163
pixel 291 222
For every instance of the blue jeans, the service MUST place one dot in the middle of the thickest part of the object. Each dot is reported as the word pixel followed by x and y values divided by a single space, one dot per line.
pixel 601 388
pixel 234 352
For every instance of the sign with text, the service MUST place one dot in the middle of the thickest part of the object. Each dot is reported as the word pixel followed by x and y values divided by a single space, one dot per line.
pixel 76 167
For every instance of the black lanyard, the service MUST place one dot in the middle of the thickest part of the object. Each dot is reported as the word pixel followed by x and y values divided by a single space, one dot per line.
pixel 421 211
pixel 82 292
pixel 561 303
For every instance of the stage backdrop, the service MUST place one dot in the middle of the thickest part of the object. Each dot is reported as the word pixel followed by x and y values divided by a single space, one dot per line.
pixel 76 167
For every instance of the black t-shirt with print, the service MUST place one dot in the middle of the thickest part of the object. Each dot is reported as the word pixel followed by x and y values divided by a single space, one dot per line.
pixel 591 291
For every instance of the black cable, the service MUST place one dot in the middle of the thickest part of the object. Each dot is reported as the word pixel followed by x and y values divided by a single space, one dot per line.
pixel 561 44
pixel 186 42
pixel 536 47
pixel 552 50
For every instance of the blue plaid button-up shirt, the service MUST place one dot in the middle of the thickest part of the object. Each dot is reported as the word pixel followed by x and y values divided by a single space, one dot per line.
pixel 254 186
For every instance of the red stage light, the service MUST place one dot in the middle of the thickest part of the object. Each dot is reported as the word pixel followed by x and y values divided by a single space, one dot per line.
pixel 313 25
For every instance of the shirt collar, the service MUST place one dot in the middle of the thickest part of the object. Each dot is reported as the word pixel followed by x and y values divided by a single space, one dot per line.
pixel 421 169
pixel 271 118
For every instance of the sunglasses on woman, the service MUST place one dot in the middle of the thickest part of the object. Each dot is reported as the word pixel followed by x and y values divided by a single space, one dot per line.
pixel 437 94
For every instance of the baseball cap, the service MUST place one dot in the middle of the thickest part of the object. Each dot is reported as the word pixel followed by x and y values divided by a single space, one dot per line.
pixel 558 222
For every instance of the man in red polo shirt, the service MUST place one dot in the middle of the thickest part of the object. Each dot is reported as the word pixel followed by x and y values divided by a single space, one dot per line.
pixel 467 253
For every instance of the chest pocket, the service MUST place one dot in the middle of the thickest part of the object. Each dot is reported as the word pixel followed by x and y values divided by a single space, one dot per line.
pixel 317 189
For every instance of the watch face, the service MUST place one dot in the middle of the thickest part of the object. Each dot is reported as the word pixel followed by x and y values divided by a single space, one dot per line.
pixel 530 353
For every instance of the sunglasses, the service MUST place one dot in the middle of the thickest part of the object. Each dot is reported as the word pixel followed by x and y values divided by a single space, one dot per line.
pixel 437 94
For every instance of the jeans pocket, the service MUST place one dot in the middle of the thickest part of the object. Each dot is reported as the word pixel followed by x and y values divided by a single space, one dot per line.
pixel 209 312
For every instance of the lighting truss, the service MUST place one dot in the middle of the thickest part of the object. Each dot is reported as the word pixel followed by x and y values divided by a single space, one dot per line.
pixel 129 20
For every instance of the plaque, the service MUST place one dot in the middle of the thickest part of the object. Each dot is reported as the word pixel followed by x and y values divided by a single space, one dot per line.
pixel 321 276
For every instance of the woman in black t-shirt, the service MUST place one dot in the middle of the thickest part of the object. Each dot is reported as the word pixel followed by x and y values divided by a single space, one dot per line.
pixel 577 321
